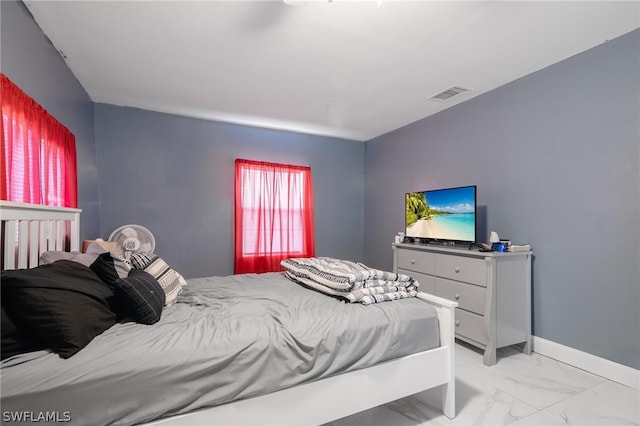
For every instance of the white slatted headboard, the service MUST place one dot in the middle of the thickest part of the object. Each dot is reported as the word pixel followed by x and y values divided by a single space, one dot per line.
pixel 28 230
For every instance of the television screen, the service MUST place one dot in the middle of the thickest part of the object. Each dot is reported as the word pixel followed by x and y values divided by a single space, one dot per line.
pixel 443 214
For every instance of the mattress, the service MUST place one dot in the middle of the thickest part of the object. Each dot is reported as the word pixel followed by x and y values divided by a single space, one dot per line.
pixel 226 338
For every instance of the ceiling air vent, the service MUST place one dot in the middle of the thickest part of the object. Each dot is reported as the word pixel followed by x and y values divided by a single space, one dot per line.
pixel 449 93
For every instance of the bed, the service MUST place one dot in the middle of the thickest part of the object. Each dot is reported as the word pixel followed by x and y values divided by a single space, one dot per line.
pixel 307 370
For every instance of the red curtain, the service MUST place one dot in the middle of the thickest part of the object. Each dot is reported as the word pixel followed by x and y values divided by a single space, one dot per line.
pixel 38 161
pixel 273 215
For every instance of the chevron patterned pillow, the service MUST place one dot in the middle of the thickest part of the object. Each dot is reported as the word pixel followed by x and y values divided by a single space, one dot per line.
pixel 170 280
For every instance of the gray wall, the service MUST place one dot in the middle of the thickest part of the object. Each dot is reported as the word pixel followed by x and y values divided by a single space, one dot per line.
pixel 29 59
pixel 175 176
pixel 556 159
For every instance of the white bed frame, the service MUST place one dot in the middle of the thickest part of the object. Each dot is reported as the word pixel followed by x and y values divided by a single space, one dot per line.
pixel 30 230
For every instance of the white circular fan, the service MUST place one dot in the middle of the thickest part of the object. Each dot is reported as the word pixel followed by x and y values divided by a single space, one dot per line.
pixel 130 238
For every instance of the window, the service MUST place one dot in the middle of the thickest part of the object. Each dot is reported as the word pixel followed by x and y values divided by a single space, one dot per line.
pixel 273 215
pixel 38 159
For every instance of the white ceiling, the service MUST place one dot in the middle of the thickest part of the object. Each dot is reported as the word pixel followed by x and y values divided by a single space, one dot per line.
pixel 347 69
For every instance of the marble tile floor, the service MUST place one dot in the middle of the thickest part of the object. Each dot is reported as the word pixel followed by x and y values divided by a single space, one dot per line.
pixel 519 390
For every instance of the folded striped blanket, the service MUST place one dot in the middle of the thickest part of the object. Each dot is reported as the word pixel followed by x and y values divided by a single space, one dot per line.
pixel 352 281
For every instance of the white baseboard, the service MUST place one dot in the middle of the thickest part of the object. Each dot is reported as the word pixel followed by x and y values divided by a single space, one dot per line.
pixel 602 367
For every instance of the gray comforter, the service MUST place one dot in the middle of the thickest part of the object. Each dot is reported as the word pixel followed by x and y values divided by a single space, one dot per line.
pixel 227 338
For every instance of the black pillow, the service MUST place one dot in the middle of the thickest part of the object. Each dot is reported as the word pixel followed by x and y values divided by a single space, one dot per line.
pixel 110 269
pixel 64 303
pixel 17 339
pixel 140 296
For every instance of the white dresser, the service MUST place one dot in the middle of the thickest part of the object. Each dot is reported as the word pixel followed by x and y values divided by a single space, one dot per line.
pixel 493 291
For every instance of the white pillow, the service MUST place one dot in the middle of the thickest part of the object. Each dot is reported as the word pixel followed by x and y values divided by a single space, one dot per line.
pixel 52 256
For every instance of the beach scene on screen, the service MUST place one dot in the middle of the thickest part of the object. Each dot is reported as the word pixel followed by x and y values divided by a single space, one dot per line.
pixel 447 214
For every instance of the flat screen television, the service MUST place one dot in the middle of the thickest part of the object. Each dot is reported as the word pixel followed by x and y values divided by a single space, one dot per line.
pixel 442 215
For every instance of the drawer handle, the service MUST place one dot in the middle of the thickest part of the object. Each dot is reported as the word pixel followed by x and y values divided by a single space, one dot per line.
pixel 413 261
pixel 457 323
pixel 457 269
pixel 457 296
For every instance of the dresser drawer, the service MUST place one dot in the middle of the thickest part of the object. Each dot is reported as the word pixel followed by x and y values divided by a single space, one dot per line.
pixel 415 260
pixel 470 297
pixel 461 268
pixel 470 325
pixel 464 277
pixel 427 282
